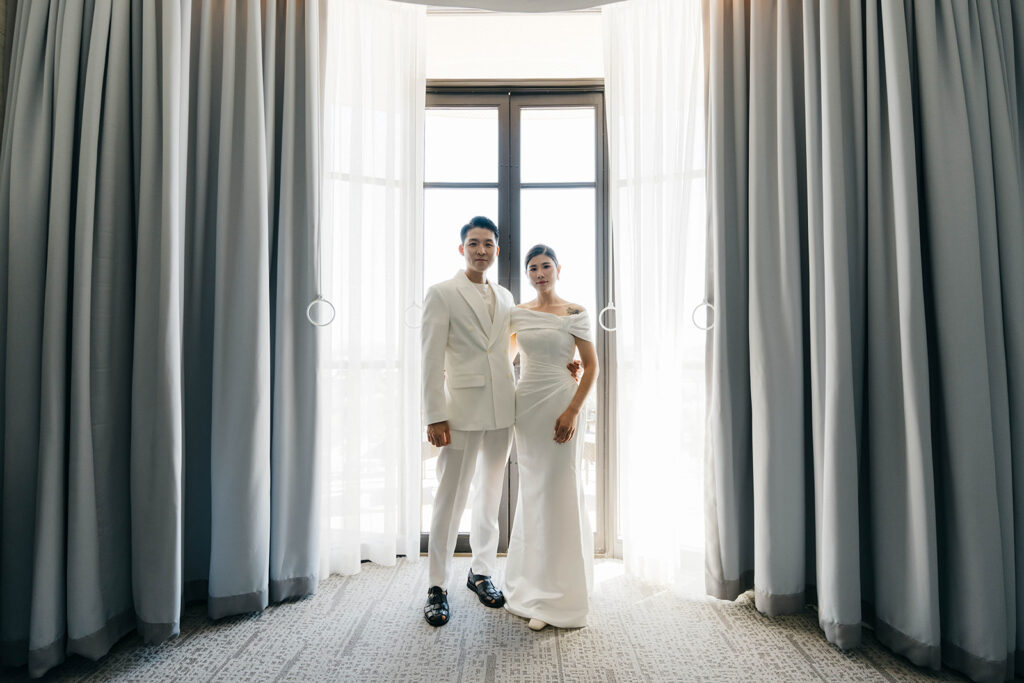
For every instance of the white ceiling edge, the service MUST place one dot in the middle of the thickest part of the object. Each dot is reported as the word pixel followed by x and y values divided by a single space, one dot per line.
pixel 436 10
pixel 516 5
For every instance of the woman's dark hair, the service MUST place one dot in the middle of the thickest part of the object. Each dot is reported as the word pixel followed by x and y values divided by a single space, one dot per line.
pixel 537 250
pixel 479 222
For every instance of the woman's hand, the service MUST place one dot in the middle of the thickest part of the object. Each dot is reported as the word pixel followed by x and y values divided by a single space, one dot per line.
pixel 565 425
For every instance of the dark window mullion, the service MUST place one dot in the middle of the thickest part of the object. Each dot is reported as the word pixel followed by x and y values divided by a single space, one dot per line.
pixel 513 275
pixel 515 183
pixel 504 218
pixel 589 185
pixel 607 480
pixel 460 186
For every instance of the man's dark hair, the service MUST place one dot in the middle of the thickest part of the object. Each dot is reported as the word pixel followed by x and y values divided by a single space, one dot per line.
pixel 536 251
pixel 479 222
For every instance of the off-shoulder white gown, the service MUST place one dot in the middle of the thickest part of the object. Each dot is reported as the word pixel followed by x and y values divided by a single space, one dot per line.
pixel 549 571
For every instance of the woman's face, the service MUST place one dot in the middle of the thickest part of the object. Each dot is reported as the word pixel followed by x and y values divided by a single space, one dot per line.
pixel 542 272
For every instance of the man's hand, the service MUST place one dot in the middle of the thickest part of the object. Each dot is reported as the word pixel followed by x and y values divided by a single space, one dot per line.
pixel 574 368
pixel 438 434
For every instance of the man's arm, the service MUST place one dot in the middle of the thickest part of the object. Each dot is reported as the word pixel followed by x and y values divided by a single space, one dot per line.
pixel 434 335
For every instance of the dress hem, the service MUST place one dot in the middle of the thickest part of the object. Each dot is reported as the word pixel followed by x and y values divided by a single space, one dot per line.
pixel 557 623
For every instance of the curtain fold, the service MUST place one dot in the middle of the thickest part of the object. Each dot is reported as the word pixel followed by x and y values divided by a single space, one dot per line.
pixel 91 325
pixel 227 351
pixel 295 71
pixel 158 195
pixel 898 383
pixel 250 381
pixel 159 67
pixel 866 197
pixel 250 506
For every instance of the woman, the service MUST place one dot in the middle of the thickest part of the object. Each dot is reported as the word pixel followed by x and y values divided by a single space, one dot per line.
pixel 548 574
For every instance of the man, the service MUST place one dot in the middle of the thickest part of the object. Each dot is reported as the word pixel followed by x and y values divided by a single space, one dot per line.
pixel 469 408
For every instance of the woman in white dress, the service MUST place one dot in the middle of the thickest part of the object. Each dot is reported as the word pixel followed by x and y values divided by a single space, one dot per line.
pixel 549 571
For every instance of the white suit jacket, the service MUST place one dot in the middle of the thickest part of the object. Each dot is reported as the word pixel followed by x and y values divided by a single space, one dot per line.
pixel 467 376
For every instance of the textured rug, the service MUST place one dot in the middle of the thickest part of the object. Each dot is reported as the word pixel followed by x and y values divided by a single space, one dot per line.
pixel 369 627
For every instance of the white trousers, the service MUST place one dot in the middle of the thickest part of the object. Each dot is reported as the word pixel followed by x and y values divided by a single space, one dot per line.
pixel 483 454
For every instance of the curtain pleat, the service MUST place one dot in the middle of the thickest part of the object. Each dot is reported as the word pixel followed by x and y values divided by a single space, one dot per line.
pixel 252 198
pixel 903 546
pixel 967 348
pixel 229 336
pixel 99 347
pixel 776 382
pixel 728 468
pixel 874 287
pixel 159 110
pixel 294 131
pixel 159 192
pixel 835 238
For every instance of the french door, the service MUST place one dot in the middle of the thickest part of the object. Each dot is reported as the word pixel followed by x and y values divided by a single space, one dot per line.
pixel 530 156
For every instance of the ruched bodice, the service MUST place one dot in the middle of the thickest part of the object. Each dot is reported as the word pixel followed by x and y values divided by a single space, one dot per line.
pixel 546 342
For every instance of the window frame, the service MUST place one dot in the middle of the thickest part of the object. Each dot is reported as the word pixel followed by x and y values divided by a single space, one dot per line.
pixel 510 96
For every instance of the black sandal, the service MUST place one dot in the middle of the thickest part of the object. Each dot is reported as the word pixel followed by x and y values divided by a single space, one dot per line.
pixel 485 590
pixel 436 610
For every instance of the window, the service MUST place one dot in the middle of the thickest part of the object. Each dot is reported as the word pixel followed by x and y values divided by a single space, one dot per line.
pixel 530 156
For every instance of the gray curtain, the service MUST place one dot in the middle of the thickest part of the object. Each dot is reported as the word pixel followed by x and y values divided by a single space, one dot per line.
pixel 866 369
pixel 157 204
pixel 251 516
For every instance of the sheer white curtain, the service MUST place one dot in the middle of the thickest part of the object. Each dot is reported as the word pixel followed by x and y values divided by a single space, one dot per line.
pixel 654 81
pixel 369 364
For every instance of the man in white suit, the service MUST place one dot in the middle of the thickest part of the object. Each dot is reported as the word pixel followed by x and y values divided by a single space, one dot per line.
pixel 469 409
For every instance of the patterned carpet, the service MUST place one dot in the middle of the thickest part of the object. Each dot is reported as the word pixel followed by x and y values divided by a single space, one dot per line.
pixel 369 627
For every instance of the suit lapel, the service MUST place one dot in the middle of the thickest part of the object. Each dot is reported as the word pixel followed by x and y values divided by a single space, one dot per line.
pixel 476 302
pixel 501 312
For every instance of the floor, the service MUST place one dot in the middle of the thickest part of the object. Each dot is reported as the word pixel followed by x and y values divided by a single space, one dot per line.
pixel 368 627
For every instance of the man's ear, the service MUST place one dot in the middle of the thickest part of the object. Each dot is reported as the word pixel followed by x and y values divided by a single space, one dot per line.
pixel 462 250
pixel 497 250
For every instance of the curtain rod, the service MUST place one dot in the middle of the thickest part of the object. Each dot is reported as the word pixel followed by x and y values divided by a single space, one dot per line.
pixel 452 11
pixel 523 86
pixel 532 6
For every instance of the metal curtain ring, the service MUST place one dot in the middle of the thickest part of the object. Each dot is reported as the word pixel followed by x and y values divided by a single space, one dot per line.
pixel 417 320
pixel 693 316
pixel 309 311
pixel 600 317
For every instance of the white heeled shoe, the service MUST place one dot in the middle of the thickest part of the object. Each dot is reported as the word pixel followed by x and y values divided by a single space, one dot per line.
pixel 537 624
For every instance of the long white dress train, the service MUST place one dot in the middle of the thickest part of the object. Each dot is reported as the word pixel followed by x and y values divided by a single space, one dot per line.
pixel 549 571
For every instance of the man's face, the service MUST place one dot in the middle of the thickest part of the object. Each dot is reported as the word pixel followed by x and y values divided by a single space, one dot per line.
pixel 479 249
